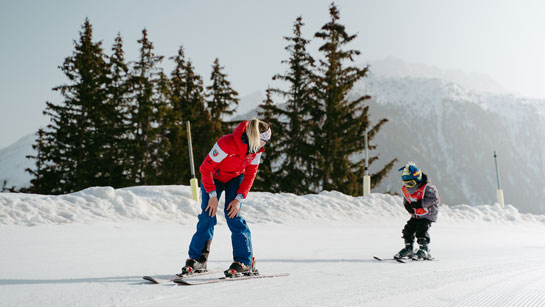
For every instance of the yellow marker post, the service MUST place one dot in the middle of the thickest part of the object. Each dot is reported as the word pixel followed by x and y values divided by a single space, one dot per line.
pixel 193 181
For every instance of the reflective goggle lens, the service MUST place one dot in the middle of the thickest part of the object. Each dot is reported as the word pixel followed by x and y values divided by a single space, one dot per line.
pixel 409 183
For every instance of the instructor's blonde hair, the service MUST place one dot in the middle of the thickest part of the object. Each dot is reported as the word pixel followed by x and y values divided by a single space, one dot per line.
pixel 253 129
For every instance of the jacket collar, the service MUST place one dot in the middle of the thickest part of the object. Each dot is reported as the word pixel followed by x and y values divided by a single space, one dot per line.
pixel 237 136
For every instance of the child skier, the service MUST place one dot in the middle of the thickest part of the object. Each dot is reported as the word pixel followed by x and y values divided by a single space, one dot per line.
pixel 421 200
pixel 230 167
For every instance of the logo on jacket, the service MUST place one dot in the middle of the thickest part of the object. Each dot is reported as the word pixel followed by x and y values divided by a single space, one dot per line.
pixel 215 153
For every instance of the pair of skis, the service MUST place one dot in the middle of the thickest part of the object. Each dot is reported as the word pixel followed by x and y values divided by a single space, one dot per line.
pixel 402 260
pixel 189 280
pixel 165 279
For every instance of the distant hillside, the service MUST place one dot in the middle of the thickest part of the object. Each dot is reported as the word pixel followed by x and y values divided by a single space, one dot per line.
pixel 391 67
pixel 451 133
pixel 13 162
pixel 247 104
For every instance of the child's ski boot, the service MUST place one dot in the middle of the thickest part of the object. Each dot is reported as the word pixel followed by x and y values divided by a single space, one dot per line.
pixel 423 253
pixel 406 252
pixel 238 269
pixel 192 266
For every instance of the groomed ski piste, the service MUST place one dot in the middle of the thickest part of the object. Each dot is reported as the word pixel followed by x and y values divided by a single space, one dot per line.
pixel 91 248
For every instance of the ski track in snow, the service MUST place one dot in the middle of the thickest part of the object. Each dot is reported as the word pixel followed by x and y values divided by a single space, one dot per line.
pixel 497 284
pixel 90 265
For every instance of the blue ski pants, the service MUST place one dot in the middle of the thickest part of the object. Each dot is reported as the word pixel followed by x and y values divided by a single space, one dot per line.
pixel 199 248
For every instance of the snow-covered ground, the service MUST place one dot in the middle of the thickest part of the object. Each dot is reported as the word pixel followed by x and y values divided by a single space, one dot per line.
pixel 91 248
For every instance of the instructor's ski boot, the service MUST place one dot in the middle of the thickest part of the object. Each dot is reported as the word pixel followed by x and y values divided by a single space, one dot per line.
pixel 238 269
pixel 423 253
pixel 192 266
pixel 406 252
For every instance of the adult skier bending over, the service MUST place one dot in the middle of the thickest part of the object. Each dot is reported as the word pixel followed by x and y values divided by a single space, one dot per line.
pixel 421 200
pixel 230 167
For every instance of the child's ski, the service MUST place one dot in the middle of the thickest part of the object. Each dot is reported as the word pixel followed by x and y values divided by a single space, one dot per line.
pixel 404 260
pixel 395 259
pixel 191 282
pixel 423 259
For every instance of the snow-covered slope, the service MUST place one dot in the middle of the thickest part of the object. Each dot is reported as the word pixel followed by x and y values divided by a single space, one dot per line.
pixel 392 67
pixel 13 162
pixel 247 104
pixel 91 248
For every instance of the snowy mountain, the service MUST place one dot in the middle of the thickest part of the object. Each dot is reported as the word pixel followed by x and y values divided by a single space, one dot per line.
pixel 13 162
pixel 392 67
pixel 452 132
pixel 247 104
pixel 91 248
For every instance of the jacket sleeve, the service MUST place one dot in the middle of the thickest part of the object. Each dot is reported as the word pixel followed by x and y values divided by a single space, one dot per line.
pixel 249 176
pixel 407 206
pixel 210 165
pixel 431 197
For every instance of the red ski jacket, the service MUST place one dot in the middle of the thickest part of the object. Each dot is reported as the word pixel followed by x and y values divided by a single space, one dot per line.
pixel 228 159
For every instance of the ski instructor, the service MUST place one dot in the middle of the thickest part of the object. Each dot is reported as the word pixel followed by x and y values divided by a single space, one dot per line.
pixel 230 167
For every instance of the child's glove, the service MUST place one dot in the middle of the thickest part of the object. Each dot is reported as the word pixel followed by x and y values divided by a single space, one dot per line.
pixel 418 209
pixel 416 204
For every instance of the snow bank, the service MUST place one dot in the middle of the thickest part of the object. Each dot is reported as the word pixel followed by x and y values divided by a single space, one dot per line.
pixel 165 203
pixel 174 204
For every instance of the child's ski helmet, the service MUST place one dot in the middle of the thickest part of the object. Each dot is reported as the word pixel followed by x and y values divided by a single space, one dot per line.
pixel 411 174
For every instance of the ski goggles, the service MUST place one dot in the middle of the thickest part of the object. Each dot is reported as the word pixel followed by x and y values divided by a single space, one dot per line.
pixel 409 183
pixel 265 136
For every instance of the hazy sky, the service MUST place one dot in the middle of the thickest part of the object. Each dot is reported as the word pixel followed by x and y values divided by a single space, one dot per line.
pixel 503 39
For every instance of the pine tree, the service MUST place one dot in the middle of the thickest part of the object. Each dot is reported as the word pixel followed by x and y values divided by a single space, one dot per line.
pixel 160 143
pixel 221 100
pixel 117 120
pixel 301 119
pixel 45 178
pixel 72 147
pixel 88 69
pixel 57 144
pixel 344 123
pixel 144 113
pixel 176 164
pixel 173 154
